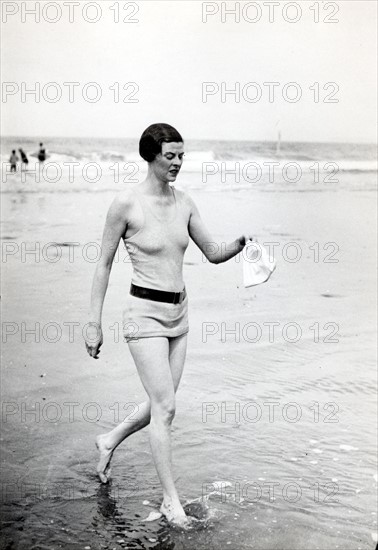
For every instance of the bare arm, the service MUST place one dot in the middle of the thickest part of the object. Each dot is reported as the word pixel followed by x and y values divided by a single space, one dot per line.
pixel 215 252
pixel 115 226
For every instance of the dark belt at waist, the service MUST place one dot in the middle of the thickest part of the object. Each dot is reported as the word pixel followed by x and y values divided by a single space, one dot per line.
pixel 157 295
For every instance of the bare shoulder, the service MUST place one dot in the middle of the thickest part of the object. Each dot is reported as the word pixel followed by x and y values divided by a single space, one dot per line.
pixel 125 197
pixel 185 199
pixel 122 203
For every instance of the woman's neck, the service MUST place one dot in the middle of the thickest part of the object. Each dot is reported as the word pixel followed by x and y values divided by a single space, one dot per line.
pixel 156 186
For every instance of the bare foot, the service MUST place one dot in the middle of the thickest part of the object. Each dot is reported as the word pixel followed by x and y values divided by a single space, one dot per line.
pixel 174 513
pixel 103 466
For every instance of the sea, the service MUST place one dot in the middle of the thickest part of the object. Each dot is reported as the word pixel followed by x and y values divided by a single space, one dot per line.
pixel 274 439
pixel 94 164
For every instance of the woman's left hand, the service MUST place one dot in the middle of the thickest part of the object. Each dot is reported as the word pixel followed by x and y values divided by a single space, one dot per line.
pixel 245 238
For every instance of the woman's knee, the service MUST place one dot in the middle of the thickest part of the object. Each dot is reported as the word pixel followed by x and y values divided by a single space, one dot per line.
pixel 164 410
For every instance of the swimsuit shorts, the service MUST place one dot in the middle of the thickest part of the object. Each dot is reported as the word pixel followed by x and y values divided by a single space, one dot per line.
pixel 147 319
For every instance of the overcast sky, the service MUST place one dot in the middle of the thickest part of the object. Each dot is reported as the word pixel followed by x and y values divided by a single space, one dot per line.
pixel 170 52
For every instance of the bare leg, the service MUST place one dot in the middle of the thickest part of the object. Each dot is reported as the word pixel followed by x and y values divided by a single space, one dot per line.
pixel 107 443
pixel 151 357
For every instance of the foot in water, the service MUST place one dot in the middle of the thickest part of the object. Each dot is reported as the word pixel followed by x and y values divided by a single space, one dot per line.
pixel 174 513
pixel 103 466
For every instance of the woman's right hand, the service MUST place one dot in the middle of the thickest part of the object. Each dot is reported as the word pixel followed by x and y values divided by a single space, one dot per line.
pixel 93 339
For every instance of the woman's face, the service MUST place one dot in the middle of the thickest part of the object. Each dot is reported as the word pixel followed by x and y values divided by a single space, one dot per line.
pixel 168 163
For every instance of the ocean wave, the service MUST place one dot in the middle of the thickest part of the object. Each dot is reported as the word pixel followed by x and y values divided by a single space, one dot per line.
pixel 202 161
pixel 85 164
pixel 358 165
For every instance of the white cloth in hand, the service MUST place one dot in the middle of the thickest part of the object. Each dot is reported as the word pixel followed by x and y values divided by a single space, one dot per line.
pixel 257 264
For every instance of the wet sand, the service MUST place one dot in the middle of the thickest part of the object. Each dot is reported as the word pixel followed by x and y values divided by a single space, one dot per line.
pixel 259 411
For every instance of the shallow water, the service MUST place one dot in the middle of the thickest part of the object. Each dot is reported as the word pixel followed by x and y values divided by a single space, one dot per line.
pixel 273 440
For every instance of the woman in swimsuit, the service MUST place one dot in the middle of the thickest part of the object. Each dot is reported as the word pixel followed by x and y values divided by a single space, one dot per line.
pixel 155 220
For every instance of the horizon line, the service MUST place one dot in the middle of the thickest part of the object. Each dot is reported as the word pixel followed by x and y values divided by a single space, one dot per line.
pixel 38 138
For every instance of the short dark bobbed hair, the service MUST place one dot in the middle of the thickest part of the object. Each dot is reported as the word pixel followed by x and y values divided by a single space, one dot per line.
pixel 153 137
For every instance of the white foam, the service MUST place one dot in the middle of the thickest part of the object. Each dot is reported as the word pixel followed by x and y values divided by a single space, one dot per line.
pixel 153 516
pixel 221 484
pixel 348 448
